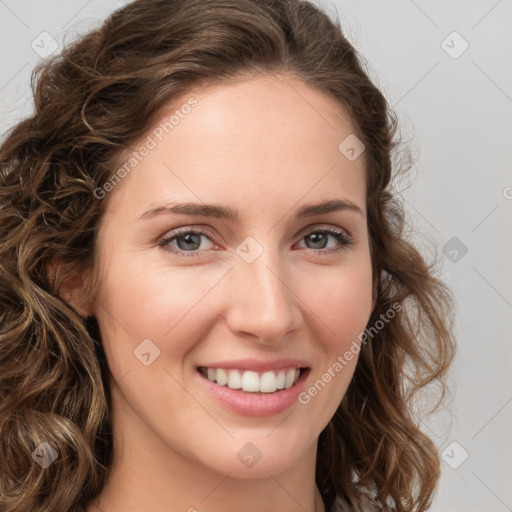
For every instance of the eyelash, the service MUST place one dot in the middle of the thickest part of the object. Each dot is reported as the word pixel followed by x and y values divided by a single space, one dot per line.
pixel 345 240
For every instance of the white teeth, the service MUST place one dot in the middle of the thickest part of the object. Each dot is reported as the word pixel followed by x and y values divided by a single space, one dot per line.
pixel 290 377
pixel 253 382
pixel 280 380
pixel 222 377
pixel 234 379
pixel 250 381
pixel 268 382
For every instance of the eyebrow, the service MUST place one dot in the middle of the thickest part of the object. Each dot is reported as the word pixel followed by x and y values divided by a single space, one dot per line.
pixel 223 212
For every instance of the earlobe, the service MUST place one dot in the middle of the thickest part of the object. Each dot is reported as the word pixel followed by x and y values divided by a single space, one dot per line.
pixel 70 283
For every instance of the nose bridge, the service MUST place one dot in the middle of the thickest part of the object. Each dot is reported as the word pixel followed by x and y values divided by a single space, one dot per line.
pixel 264 304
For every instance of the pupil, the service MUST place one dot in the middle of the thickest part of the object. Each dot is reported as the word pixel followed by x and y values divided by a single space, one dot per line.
pixel 189 239
pixel 318 238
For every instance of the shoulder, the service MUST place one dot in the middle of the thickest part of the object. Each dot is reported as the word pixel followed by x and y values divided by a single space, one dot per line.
pixel 365 503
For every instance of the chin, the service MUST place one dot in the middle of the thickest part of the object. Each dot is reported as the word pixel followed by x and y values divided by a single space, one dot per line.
pixel 257 456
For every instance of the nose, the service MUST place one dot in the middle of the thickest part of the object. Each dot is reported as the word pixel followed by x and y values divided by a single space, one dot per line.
pixel 261 300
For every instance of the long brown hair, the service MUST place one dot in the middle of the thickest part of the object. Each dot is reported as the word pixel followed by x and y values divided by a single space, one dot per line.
pixel 102 93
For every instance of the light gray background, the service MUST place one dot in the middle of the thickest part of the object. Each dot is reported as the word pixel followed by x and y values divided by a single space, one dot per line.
pixel 456 111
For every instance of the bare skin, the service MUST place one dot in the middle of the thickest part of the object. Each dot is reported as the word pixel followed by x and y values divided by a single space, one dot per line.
pixel 265 147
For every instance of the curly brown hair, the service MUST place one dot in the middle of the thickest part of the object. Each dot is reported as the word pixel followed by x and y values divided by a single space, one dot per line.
pixel 92 101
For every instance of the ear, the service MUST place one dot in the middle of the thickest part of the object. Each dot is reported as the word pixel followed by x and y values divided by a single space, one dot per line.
pixel 73 287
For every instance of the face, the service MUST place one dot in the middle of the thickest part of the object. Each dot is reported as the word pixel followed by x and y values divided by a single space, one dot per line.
pixel 190 298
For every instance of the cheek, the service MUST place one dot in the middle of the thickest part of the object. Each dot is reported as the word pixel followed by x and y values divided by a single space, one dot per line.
pixel 340 304
pixel 139 301
pixel 341 299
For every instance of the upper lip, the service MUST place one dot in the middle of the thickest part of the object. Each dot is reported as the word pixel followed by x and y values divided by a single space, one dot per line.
pixel 257 365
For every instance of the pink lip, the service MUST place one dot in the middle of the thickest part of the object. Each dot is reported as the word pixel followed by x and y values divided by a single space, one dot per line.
pixel 257 365
pixel 255 404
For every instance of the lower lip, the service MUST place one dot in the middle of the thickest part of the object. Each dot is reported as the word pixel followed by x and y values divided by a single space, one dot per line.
pixel 255 404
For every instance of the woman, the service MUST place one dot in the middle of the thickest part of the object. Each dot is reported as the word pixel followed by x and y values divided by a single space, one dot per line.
pixel 208 300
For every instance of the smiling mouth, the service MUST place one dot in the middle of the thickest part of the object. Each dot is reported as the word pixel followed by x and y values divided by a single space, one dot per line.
pixel 249 381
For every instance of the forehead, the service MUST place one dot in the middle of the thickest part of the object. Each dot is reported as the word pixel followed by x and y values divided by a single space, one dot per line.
pixel 248 141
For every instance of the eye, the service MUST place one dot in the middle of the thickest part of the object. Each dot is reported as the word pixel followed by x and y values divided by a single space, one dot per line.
pixel 319 237
pixel 188 241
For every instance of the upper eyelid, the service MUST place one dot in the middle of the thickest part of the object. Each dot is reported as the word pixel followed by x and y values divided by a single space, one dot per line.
pixel 320 227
